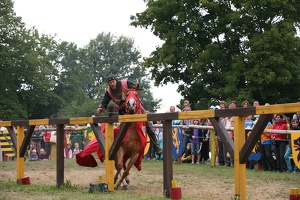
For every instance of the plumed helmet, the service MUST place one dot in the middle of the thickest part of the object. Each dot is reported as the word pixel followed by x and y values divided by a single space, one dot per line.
pixel 111 77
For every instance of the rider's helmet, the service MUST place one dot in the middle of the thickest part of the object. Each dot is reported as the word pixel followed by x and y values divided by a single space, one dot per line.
pixel 111 77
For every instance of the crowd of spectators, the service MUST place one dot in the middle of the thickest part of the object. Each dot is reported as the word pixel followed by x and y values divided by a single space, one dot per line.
pixel 274 148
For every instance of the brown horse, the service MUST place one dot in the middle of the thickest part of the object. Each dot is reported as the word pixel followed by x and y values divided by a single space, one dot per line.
pixel 134 141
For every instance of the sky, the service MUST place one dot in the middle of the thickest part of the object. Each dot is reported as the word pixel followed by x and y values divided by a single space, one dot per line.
pixel 80 21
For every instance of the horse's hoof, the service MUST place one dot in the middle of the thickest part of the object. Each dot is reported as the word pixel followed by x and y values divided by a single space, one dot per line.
pixel 116 188
pixel 125 187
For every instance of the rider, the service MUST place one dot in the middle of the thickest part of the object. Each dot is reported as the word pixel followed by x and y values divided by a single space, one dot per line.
pixel 117 92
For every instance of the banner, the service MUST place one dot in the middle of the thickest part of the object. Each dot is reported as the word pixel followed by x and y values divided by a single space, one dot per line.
pixel 177 141
pixel 295 145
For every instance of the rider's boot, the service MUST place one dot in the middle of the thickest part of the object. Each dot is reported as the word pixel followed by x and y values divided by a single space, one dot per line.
pixel 153 138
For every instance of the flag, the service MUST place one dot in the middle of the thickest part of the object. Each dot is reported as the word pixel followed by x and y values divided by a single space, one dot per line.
pixel 295 146
pixel 177 141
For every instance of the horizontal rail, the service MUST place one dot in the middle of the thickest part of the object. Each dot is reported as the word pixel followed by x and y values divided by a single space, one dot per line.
pixel 229 129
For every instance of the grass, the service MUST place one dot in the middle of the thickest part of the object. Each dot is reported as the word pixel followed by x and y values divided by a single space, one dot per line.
pixel 196 181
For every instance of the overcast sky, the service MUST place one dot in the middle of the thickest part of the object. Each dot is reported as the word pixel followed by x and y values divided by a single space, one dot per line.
pixel 79 21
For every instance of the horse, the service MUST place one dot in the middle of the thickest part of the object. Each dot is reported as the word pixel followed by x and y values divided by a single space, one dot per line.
pixel 134 141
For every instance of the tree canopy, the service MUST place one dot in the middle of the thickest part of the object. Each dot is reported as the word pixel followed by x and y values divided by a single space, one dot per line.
pixel 225 50
pixel 42 77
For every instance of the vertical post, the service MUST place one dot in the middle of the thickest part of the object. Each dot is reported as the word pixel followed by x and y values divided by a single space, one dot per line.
pixel 239 169
pixel 20 160
pixel 212 148
pixel 167 153
pixel 60 173
pixel 109 164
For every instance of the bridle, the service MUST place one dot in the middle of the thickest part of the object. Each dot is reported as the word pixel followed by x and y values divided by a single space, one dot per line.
pixel 132 102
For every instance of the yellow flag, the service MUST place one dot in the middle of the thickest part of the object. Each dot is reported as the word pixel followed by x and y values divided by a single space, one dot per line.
pixel 295 145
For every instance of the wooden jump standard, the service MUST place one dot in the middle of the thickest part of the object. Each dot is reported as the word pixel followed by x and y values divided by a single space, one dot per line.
pixel 240 149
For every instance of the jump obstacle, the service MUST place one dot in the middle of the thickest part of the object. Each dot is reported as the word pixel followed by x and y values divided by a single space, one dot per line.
pixel 239 150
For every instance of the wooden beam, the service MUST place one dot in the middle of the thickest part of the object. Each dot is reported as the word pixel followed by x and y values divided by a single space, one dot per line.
pixel 109 164
pixel 26 140
pixel 235 112
pixel 254 136
pixel 278 108
pixel 60 173
pixel 162 116
pixel 167 154
pixel 118 140
pixel 13 136
pixel 196 114
pixel 223 134
pixel 99 136
pixel 20 160
pixel 239 169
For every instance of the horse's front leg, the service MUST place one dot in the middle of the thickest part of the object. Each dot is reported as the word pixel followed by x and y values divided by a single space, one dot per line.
pixel 127 177
pixel 127 169
pixel 118 166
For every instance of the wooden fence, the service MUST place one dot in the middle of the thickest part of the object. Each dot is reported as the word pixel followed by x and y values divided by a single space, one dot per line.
pixel 240 149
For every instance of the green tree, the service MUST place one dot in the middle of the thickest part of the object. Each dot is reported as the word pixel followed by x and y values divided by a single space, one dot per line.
pixel 108 54
pixel 225 49
pixel 72 82
pixel 27 74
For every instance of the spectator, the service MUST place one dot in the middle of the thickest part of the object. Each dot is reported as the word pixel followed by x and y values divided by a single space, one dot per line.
pixel 255 117
pixel 77 136
pixel 186 156
pixel 76 149
pixel 68 151
pixel 279 142
pixel 267 160
pixel 195 143
pixel 46 134
pixel 204 139
pixel 186 132
pixel 221 152
pixel 33 155
pixel 185 103
pixel 43 155
pixel 228 124
pixel 245 104
pixel 159 135
pixel 249 123
pixel 222 104
pixel 295 126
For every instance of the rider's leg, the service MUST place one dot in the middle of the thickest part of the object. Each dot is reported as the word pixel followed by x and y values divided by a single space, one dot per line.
pixel 153 138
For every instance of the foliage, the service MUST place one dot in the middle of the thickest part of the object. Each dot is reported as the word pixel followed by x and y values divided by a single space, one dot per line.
pixel 27 79
pixel 225 50
pixel 42 77
pixel 108 54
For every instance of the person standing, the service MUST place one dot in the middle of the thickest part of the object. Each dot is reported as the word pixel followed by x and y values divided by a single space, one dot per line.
pixel 186 132
pixel 279 142
pixel 195 143
pixel 295 126
pixel 267 160
pixel 221 152
pixel 204 140
pixel 159 134
pixel 46 134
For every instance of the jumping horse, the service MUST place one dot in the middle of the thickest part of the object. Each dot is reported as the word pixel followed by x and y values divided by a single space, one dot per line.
pixel 133 144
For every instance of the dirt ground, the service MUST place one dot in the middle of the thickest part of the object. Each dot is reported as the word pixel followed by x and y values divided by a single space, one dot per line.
pixel 150 180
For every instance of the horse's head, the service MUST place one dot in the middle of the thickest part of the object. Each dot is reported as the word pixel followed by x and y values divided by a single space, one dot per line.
pixel 133 102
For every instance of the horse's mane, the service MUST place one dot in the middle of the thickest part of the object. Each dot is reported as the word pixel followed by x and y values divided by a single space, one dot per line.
pixel 135 87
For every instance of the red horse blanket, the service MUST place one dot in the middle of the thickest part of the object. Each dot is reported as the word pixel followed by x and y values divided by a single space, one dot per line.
pixel 84 158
